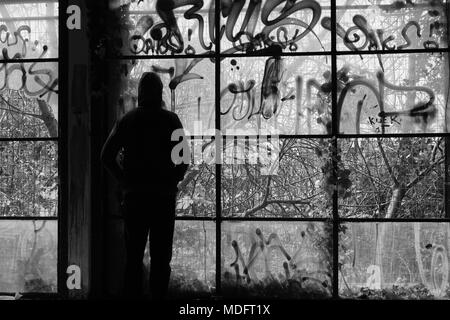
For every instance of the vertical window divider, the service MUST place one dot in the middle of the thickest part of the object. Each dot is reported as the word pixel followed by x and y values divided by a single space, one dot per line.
pixel 446 178
pixel 63 98
pixel 218 138
pixel 334 154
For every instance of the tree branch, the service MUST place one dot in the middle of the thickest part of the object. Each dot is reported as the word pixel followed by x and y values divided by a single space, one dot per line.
pixel 422 174
pixel 377 198
pixel 386 162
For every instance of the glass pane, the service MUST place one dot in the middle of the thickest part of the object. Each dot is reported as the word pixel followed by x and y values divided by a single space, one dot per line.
pixel 251 26
pixel 28 179
pixel 193 259
pixel 409 96
pixel 29 30
pixel 28 256
pixel 392 178
pixel 290 260
pixel 292 186
pixel 29 100
pixel 395 260
pixel 289 95
pixel 159 29
pixel 188 90
pixel 197 192
pixel 391 25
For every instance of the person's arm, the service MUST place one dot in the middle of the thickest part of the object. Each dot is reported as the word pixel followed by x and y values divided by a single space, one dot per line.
pixel 110 151
pixel 181 169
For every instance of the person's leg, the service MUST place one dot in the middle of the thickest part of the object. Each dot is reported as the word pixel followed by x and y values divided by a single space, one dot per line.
pixel 161 238
pixel 136 233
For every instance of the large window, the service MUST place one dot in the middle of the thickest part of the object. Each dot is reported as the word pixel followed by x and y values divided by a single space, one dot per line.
pixel 350 96
pixel 29 131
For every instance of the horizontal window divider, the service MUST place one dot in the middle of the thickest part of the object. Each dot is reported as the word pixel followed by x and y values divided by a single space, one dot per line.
pixel 364 6
pixel 283 54
pixel 189 218
pixel 393 135
pixel 396 220
pixel 31 18
pixel 180 218
pixel 373 52
pixel 252 136
pixel 305 136
pixel 200 137
pixel 28 139
pixel 156 57
pixel 35 295
pixel 281 136
pixel 3 61
pixel 22 218
pixel 28 1
pixel 276 219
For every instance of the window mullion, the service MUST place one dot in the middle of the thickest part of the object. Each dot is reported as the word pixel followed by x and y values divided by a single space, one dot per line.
pixel 217 59
pixel 335 220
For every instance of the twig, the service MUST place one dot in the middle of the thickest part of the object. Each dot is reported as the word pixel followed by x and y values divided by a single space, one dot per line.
pixel 386 162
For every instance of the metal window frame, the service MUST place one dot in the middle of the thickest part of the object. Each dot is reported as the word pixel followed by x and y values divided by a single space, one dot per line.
pixel 217 218
pixel 335 219
pixel 61 140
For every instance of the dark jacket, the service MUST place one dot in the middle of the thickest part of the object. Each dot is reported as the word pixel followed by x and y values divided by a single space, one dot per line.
pixel 145 136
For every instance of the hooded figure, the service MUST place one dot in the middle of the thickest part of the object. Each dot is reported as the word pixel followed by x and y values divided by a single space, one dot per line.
pixel 148 177
pixel 150 90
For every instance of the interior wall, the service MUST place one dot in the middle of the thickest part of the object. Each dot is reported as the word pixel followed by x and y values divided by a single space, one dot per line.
pixel 78 152
pixel 108 253
pixel 94 227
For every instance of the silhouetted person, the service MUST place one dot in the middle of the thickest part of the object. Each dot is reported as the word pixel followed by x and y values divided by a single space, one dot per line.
pixel 149 179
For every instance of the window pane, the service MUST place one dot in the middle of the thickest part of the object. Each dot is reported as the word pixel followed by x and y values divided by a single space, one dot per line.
pixel 294 26
pixel 152 30
pixel 29 30
pixel 29 100
pixel 412 90
pixel 193 259
pixel 276 259
pixel 28 179
pixel 197 192
pixel 406 260
pixel 408 183
pixel 292 186
pixel 188 90
pixel 391 25
pixel 289 95
pixel 28 256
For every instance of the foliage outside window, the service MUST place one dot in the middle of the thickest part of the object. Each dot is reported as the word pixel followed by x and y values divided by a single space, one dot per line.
pixel 28 146
pixel 356 90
